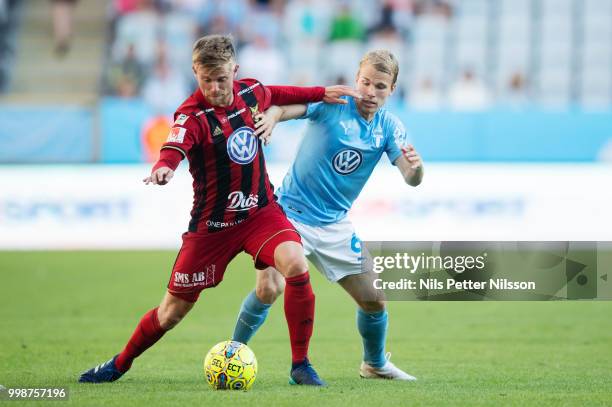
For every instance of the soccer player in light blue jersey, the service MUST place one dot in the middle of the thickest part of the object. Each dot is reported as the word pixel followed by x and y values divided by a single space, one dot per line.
pixel 342 145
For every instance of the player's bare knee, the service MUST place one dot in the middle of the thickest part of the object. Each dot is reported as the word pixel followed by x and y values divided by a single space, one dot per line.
pixel 290 260
pixel 294 266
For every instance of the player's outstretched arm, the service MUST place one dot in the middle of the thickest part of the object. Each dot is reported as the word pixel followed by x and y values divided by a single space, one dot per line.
pixel 290 95
pixel 410 165
pixel 160 176
pixel 265 122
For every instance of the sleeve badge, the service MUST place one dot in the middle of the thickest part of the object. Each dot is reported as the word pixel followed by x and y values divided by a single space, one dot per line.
pixel 181 119
pixel 177 135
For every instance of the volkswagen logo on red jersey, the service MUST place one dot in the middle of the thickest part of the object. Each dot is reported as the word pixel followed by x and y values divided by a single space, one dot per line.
pixel 346 161
pixel 242 145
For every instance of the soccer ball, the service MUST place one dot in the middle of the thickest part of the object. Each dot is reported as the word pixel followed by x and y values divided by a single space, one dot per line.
pixel 230 365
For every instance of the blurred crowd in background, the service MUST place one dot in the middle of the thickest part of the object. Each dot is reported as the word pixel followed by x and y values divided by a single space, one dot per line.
pixel 98 80
pixel 301 42
pixel 7 28
pixel 458 54
pixel 461 54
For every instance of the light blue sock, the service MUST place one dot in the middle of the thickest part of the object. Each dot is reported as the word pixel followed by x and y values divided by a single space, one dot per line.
pixel 252 315
pixel 373 330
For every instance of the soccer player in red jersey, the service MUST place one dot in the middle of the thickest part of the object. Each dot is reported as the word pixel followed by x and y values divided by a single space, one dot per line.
pixel 234 206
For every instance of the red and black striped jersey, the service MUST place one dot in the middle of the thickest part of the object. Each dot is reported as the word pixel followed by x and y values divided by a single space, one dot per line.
pixel 226 160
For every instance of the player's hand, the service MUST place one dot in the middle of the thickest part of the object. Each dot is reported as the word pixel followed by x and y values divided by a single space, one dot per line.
pixel 161 176
pixel 333 94
pixel 265 122
pixel 412 156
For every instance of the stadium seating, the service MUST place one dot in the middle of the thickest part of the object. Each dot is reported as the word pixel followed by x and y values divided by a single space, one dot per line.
pixel 73 79
pixel 563 48
pixel 9 16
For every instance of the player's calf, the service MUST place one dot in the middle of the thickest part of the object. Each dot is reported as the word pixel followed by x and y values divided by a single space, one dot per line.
pixel 252 315
pixel 254 309
pixel 172 310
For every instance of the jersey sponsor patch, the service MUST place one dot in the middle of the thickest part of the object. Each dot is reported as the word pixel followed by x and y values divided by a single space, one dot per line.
pixel 181 119
pixel 242 146
pixel 249 89
pixel 347 161
pixel 231 116
pixel 177 135
pixel 200 278
pixel 237 201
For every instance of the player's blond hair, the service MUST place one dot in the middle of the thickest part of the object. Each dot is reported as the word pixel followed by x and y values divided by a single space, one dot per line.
pixel 383 61
pixel 213 51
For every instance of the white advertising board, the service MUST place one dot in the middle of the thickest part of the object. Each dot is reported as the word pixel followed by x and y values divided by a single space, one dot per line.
pixel 108 206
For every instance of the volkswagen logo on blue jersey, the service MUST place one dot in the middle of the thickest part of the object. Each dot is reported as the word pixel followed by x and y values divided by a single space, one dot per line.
pixel 346 161
pixel 242 145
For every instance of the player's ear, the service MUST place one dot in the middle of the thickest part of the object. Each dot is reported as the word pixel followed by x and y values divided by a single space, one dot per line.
pixel 193 68
pixel 236 70
pixel 393 87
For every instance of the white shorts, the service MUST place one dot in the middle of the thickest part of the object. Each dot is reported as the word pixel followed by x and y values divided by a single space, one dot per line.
pixel 334 249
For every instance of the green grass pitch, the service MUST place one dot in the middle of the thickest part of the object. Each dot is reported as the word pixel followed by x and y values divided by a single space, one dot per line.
pixel 64 312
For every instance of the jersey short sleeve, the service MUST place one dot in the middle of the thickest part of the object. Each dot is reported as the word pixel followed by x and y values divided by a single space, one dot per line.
pixel 313 111
pixel 396 138
pixel 320 111
pixel 184 134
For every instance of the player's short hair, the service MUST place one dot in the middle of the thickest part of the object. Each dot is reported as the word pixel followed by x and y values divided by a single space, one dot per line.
pixel 383 61
pixel 213 51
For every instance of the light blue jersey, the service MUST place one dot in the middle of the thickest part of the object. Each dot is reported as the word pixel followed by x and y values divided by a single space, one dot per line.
pixel 337 156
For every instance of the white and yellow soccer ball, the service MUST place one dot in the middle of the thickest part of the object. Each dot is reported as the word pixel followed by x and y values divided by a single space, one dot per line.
pixel 230 365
